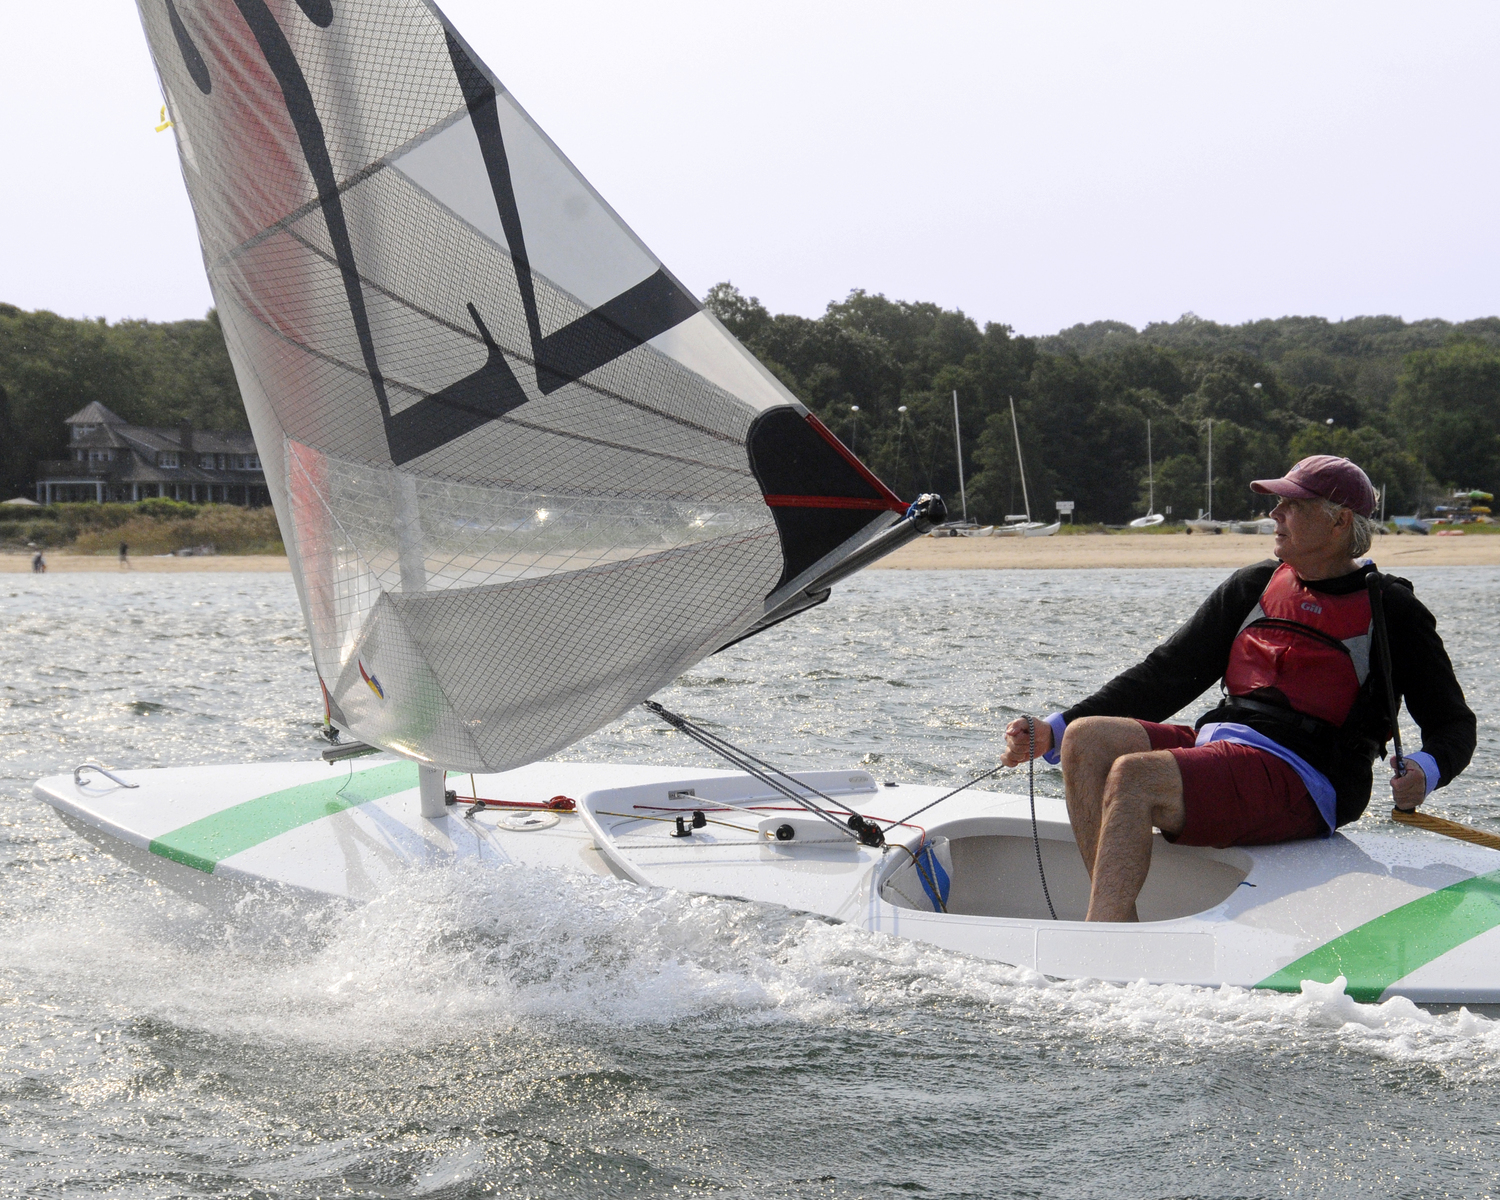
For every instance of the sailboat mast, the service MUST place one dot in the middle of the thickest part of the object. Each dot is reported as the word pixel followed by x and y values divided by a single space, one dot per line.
pixel 1210 514
pixel 1016 429
pixel 958 449
pixel 1150 473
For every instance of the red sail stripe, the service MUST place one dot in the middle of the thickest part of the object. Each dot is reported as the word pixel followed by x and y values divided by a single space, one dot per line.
pixel 891 500
pixel 830 502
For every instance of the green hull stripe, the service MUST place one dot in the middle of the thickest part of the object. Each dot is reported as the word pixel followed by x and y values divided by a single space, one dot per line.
pixel 205 843
pixel 1376 954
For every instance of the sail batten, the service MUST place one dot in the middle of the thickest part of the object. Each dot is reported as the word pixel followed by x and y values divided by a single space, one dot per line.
pixel 524 478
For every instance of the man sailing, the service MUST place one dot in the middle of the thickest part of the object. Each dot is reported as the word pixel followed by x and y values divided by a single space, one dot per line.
pixel 1289 751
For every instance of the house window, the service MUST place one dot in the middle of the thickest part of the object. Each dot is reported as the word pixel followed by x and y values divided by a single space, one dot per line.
pixel 206 461
pixel 167 458
pixel 247 462
pixel 82 431
pixel 101 456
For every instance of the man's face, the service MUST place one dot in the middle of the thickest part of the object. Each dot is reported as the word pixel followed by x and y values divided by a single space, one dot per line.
pixel 1304 530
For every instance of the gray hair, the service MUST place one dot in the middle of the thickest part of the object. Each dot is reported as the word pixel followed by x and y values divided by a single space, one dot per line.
pixel 1361 529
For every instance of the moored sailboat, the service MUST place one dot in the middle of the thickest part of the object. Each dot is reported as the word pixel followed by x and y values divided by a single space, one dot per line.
pixel 1152 517
pixel 1021 524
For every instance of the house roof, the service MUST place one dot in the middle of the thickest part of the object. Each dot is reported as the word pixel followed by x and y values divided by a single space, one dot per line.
pixel 94 414
pixel 149 441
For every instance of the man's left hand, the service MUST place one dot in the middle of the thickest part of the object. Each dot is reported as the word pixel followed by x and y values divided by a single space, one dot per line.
pixel 1409 790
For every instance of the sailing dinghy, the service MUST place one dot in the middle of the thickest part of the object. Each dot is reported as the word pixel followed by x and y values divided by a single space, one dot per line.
pixel 1021 524
pixel 1152 517
pixel 525 480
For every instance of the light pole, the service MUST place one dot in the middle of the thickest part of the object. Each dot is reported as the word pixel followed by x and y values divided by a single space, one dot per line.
pixel 854 437
pixel 900 434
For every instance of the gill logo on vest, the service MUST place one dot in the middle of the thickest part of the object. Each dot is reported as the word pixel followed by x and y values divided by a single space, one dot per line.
pixel 1309 606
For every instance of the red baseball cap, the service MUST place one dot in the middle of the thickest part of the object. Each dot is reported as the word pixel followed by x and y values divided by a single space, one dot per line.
pixel 1323 476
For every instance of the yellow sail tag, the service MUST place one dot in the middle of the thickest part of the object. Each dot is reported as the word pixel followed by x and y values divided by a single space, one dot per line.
pixel 165 124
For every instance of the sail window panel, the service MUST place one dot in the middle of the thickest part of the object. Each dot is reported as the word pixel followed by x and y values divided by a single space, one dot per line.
pixel 572 238
pixel 449 167
pixel 701 345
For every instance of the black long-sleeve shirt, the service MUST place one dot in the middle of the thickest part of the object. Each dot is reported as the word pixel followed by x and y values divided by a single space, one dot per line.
pixel 1197 654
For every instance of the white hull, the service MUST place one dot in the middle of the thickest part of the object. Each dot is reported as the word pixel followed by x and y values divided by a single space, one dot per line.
pixel 1405 914
pixel 1148 521
pixel 1028 529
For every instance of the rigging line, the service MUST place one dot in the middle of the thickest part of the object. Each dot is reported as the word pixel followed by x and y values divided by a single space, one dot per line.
pixel 1036 840
pixel 739 759
pixel 949 796
pixel 744 758
pixel 728 750
pixel 745 754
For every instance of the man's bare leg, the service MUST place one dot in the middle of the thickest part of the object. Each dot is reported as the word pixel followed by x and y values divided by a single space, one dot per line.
pixel 1142 791
pixel 1090 748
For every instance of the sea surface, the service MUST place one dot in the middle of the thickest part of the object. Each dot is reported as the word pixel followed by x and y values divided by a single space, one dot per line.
pixel 503 1031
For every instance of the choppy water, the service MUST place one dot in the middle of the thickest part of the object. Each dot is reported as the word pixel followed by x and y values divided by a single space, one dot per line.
pixel 534 1035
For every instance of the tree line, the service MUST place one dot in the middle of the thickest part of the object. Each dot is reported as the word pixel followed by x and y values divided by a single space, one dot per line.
pixel 1417 404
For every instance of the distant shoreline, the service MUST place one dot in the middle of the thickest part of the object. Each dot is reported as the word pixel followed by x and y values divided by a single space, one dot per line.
pixel 59 561
pixel 1132 551
pixel 1077 552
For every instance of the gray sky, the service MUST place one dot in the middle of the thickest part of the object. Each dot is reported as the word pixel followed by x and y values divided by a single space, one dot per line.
pixel 1033 163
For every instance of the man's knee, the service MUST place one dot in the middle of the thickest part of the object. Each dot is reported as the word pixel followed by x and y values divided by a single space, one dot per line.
pixel 1148 785
pixel 1095 738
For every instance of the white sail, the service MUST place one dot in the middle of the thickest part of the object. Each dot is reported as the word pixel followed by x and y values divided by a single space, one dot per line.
pixel 524 479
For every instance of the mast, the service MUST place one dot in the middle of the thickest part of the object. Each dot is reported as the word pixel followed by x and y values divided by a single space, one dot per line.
pixel 1150 473
pixel 1016 429
pixel 1209 515
pixel 958 449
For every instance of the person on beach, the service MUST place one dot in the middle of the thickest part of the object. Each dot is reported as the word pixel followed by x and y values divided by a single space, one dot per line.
pixel 124 557
pixel 1288 753
pixel 38 564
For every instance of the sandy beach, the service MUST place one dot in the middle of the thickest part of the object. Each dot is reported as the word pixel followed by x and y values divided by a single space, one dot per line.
pixel 17 564
pixel 950 554
pixel 1229 550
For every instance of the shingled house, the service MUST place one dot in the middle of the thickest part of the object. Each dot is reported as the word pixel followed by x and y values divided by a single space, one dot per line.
pixel 111 460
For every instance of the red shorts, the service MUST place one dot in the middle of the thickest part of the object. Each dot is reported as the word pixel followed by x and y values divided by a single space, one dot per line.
pixel 1236 795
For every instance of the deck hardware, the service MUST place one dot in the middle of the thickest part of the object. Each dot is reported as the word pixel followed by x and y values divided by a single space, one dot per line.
pixel 78 782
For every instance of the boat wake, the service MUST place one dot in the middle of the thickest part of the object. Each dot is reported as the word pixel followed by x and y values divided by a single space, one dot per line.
pixel 453 953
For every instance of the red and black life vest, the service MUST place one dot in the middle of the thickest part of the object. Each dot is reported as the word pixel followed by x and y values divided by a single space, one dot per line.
pixel 1307 650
